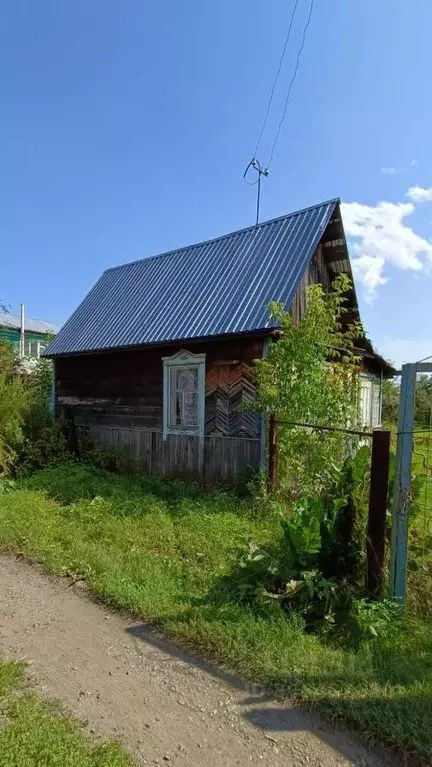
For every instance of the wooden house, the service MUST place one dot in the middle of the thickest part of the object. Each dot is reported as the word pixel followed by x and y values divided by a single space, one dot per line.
pixel 158 357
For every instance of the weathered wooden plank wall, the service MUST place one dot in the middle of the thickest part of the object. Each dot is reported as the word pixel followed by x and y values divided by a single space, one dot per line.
pixel 317 272
pixel 219 459
pixel 125 388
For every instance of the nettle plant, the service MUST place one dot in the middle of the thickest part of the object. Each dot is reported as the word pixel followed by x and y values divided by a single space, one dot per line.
pixel 311 376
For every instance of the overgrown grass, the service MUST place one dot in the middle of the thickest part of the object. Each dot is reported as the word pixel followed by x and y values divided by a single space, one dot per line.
pixel 35 733
pixel 160 549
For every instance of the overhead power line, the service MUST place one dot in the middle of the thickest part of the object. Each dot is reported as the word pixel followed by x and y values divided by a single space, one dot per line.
pixel 276 78
pixel 300 51
pixel 255 164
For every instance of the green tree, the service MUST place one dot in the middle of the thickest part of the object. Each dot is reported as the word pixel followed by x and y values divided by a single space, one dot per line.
pixel 14 404
pixel 390 400
pixel 29 438
pixel 311 376
pixel 423 400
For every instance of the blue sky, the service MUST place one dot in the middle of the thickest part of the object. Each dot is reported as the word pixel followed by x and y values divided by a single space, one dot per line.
pixel 126 127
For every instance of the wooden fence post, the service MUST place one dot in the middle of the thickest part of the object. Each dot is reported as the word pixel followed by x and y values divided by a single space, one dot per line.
pixel 375 545
pixel 272 454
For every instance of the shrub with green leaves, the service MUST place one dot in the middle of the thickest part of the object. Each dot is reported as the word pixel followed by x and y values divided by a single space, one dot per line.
pixel 316 567
pixel 423 400
pixel 29 437
pixel 14 404
pixel 311 376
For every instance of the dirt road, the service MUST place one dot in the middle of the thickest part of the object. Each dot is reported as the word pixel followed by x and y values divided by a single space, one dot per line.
pixel 162 703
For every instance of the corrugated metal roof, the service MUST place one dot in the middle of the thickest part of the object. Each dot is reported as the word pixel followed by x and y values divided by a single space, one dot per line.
pixel 34 326
pixel 217 287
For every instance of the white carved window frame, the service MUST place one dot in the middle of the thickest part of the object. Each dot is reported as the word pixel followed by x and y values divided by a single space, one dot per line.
pixel 184 359
pixel 370 400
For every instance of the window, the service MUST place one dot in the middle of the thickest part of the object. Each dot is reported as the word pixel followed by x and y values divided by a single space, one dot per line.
pixel 376 402
pixel 184 391
pixel 30 347
pixel 370 401
pixel 33 348
pixel 365 401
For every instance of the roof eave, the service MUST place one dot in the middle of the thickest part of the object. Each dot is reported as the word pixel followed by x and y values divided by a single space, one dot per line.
pixel 259 333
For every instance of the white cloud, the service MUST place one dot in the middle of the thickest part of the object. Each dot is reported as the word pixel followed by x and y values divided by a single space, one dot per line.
pixel 419 194
pixel 368 270
pixel 380 237
pixel 394 171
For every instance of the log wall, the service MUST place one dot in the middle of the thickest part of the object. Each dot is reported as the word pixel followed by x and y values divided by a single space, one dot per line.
pixel 117 398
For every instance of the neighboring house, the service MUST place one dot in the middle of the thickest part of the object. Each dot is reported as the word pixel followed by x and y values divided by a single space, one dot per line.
pixel 159 355
pixel 37 333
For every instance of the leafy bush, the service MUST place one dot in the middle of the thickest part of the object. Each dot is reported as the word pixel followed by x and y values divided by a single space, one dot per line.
pixel 119 461
pixel 14 403
pixel 49 447
pixel 7 485
pixel 38 383
pixel 29 438
pixel 311 376
pixel 423 400
pixel 45 440
pixel 371 618
pixel 316 569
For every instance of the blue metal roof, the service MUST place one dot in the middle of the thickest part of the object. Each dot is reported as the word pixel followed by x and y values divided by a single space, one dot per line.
pixel 213 288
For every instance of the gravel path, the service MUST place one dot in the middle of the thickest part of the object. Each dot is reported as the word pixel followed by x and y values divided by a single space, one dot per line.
pixel 165 705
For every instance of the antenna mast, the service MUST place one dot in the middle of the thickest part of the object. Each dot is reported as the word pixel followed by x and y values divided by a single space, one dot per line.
pixel 261 171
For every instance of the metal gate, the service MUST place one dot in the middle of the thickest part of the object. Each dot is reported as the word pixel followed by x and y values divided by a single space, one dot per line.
pixel 411 545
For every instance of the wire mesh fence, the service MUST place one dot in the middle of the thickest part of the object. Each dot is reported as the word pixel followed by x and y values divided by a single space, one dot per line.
pixel 419 559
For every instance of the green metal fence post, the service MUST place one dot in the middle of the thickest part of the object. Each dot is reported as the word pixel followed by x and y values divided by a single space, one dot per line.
pixel 402 483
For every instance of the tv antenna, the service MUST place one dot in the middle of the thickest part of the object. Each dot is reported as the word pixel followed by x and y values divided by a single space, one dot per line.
pixel 261 171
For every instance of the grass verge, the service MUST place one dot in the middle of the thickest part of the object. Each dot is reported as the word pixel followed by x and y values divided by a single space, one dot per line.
pixel 159 550
pixel 34 732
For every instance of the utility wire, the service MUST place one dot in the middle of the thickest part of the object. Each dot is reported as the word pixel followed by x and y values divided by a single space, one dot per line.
pixel 276 76
pixel 300 51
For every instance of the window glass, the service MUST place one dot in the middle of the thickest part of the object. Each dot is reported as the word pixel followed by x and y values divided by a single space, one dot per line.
pixel 183 397
pixel 376 402
pixel 365 402
pixel 184 394
pixel 31 347
pixel 184 378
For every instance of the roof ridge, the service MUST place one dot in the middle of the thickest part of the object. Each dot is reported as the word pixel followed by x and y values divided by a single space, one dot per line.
pixel 166 253
pixel 26 317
